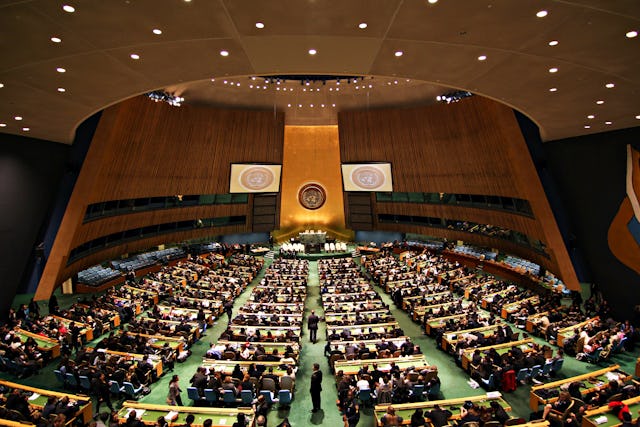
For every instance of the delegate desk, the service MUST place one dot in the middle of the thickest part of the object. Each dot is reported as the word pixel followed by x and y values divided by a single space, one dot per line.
pixel 85 330
pixel 378 328
pixel 119 301
pixel 450 339
pixel 334 317
pixel 193 334
pixel 190 313
pixel 149 414
pixel 592 380
pixel 592 417
pixel 410 301
pixel 46 345
pixel 352 367
pixel 114 316
pixel 39 398
pixel 275 332
pixel 534 320
pixel 432 325
pixel 142 293
pixel 371 345
pixel 405 410
pixel 467 354
pixel 156 360
pixel 509 309
pixel 227 366
pixel 158 341
pixel 420 311
pixel 268 346
pixel 569 331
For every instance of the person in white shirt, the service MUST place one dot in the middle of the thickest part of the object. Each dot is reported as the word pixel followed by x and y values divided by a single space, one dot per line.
pixel 363 383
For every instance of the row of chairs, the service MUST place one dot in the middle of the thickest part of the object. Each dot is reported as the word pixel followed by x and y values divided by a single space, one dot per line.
pixel 228 398
pixel 14 368
pixel 418 394
pixel 524 375
pixel 82 383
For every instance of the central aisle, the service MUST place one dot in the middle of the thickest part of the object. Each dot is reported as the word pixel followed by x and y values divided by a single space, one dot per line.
pixel 309 354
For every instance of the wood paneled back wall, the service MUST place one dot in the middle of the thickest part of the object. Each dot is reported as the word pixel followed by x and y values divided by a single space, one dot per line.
pixel 474 146
pixel 147 149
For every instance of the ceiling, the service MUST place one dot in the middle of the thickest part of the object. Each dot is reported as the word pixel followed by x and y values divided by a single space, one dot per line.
pixel 425 46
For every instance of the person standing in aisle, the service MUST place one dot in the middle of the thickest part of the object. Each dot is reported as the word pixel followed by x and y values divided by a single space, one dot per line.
pixel 312 324
pixel 174 397
pixel 316 387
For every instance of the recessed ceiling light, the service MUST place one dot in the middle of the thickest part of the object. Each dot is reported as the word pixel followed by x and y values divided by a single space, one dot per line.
pixel 610 85
pixel 553 89
pixel 260 25
pixel 482 57
pixel 299 105
pixel 600 102
pixel 638 117
pixel 61 89
pixel 26 129
pixel 587 127
pixel 333 105
pixel 362 25
pixel 18 118
pixel 433 1
pixel 553 70
pixel 632 34
pixel 68 8
pixel 224 53
pixel 56 39
pixel 553 43
pixel 61 70
pixel 134 56
pixel 312 51
pixel 1 85
pixel 157 31
pixel 3 125
pixel 608 122
pixel 542 13
pixel 591 116
pixel 398 53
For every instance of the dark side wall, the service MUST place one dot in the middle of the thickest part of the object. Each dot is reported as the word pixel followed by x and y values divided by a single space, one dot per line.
pixel 30 173
pixel 589 172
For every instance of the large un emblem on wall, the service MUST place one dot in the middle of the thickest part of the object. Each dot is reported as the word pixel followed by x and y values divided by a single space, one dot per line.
pixel 256 178
pixel 367 177
pixel 312 196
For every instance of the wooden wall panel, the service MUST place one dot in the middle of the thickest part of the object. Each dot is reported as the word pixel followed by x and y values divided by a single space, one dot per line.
pixel 474 146
pixel 147 149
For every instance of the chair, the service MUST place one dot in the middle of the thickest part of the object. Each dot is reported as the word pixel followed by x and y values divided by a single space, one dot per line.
pixel 417 392
pixel 71 380
pixel 489 383
pixel 211 395
pixel 364 397
pixel 546 369
pixel 433 392
pixel 268 396
pixel 593 357
pixel 535 371
pixel 284 398
pixel 131 391
pixel 193 394
pixel 228 397
pixel 115 388
pixel 85 384
pixel 287 383
pixel 61 378
pixel 557 366
pixel 268 384
pixel 247 397
pixel 522 376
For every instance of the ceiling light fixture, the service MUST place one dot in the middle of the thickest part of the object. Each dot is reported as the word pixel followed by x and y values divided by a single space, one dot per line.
pixel 18 118
pixel 224 53
pixel 56 39
pixel 312 51
pixel 553 89
pixel 68 8
pixel 591 116
pixel 453 96
pixel 135 56
pixel 553 43
pixel 542 13
pixel 608 123
pixel 432 1
pixel 260 25
pixel 1 85
pixel 638 117
pixel 398 53
pixel 632 34
pixel 553 70
pixel 61 70
pixel 26 129
pixel 587 127
pixel 61 90
pixel 482 57
pixel 3 125
pixel 610 85
pixel 160 95
pixel 362 25
pixel 157 31
pixel 600 102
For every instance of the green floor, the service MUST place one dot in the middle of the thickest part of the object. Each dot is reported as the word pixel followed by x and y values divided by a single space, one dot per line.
pixel 454 379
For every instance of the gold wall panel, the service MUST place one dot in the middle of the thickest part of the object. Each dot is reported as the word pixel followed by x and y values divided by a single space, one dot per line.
pixel 311 155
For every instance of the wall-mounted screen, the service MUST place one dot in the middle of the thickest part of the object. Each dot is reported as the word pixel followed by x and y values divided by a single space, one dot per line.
pixel 254 178
pixel 367 177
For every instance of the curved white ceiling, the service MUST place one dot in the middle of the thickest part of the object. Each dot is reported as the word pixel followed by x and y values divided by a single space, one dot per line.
pixel 440 44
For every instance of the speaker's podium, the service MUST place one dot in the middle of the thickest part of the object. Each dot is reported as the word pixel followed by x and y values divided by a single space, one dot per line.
pixel 313 248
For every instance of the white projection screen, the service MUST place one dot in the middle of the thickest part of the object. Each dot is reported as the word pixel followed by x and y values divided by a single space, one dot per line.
pixel 367 177
pixel 254 178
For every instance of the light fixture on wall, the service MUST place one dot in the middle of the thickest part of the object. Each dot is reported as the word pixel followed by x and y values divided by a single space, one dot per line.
pixel 453 96
pixel 160 95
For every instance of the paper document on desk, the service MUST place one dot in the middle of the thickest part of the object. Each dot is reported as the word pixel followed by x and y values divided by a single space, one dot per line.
pixel 172 415
pixel 601 420
pixel 138 412
pixel 34 396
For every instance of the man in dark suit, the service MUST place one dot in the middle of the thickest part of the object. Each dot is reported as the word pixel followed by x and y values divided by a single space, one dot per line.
pixel 312 324
pixel 316 387
pixel 439 417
